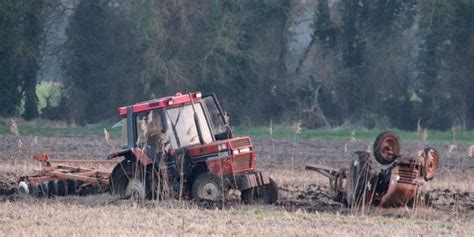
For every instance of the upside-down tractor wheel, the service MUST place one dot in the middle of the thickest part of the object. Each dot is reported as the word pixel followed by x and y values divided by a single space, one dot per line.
pixel 207 187
pixel 386 147
pixel 267 194
pixel 431 164
pixel 358 177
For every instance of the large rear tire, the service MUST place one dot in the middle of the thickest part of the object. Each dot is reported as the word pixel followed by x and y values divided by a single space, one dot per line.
pixel 386 147
pixel 131 181
pixel 431 164
pixel 358 177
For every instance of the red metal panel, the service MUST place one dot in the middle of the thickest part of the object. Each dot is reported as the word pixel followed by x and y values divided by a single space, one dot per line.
pixel 232 164
pixel 220 166
pixel 141 156
pixel 179 99
pixel 244 162
pixel 206 149
pixel 232 144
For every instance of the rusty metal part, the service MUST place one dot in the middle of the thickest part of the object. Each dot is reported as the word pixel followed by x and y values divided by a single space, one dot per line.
pixel 402 187
pixel 61 175
pixel 359 176
pixel 45 160
pixel 394 186
pixel 336 179
pixel 386 147
pixel 64 172
pixel 431 163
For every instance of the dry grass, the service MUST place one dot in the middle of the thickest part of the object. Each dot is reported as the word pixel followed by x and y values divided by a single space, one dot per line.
pixel 59 217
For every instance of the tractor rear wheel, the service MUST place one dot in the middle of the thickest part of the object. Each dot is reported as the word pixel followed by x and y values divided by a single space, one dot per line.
pixel 431 163
pixel 207 187
pixel 386 147
pixel 131 181
pixel 268 194
pixel 358 177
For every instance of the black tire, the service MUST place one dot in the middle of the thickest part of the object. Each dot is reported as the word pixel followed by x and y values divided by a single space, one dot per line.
pixel 72 186
pixel 358 176
pixel 62 188
pixel 53 188
pixel 207 187
pixel 386 147
pixel 127 171
pixel 42 190
pixel 267 194
pixel 431 163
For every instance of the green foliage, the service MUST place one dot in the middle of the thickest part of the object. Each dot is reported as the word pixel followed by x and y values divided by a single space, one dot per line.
pixel 279 133
pixel 214 46
pixel 21 35
pixel 372 63
pixel 101 62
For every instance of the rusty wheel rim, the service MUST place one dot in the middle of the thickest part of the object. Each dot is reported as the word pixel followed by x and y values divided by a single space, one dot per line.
pixel 389 146
pixel 386 148
pixel 431 163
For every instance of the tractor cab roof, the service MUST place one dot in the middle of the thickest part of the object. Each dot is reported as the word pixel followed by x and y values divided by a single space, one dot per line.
pixel 165 102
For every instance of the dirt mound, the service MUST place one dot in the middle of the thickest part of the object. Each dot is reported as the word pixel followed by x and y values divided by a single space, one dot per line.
pixel 449 200
pixel 7 185
pixel 309 198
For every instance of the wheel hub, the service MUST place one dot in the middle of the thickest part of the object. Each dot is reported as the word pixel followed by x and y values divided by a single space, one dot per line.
pixel 135 190
pixel 210 192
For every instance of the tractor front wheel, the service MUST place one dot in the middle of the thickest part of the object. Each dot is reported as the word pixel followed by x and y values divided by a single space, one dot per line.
pixel 268 194
pixel 207 187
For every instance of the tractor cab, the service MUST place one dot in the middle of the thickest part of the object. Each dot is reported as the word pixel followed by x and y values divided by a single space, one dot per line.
pixel 189 134
pixel 184 120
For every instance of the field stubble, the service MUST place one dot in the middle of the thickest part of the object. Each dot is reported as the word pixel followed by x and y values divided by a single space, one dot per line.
pixel 305 207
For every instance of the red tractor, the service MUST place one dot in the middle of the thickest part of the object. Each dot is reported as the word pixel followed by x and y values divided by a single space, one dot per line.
pixel 182 146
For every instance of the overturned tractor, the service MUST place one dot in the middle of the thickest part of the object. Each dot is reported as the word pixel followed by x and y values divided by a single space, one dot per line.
pixel 396 184
pixel 176 146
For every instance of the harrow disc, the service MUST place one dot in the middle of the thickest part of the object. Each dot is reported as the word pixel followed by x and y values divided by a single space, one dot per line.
pixel 431 165
pixel 53 188
pixel 62 188
pixel 386 147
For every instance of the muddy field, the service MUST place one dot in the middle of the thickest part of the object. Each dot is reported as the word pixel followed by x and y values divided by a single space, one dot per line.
pixel 451 194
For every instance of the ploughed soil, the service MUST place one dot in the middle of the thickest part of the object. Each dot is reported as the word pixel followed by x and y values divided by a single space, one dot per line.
pixel 285 160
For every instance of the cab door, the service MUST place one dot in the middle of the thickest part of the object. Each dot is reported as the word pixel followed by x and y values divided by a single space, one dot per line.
pixel 217 118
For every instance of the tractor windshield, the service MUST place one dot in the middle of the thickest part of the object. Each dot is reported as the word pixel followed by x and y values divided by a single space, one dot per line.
pixel 183 131
pixel 179 128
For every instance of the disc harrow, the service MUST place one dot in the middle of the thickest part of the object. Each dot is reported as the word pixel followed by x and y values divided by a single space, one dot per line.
pixel 58 178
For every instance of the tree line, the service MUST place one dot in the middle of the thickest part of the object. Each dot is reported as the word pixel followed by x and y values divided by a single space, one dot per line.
pixel 369 62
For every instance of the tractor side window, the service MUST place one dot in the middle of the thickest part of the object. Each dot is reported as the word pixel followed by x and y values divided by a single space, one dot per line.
pixel 124 138
pixel 141 128
pixel 215 116
pixel 183 120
